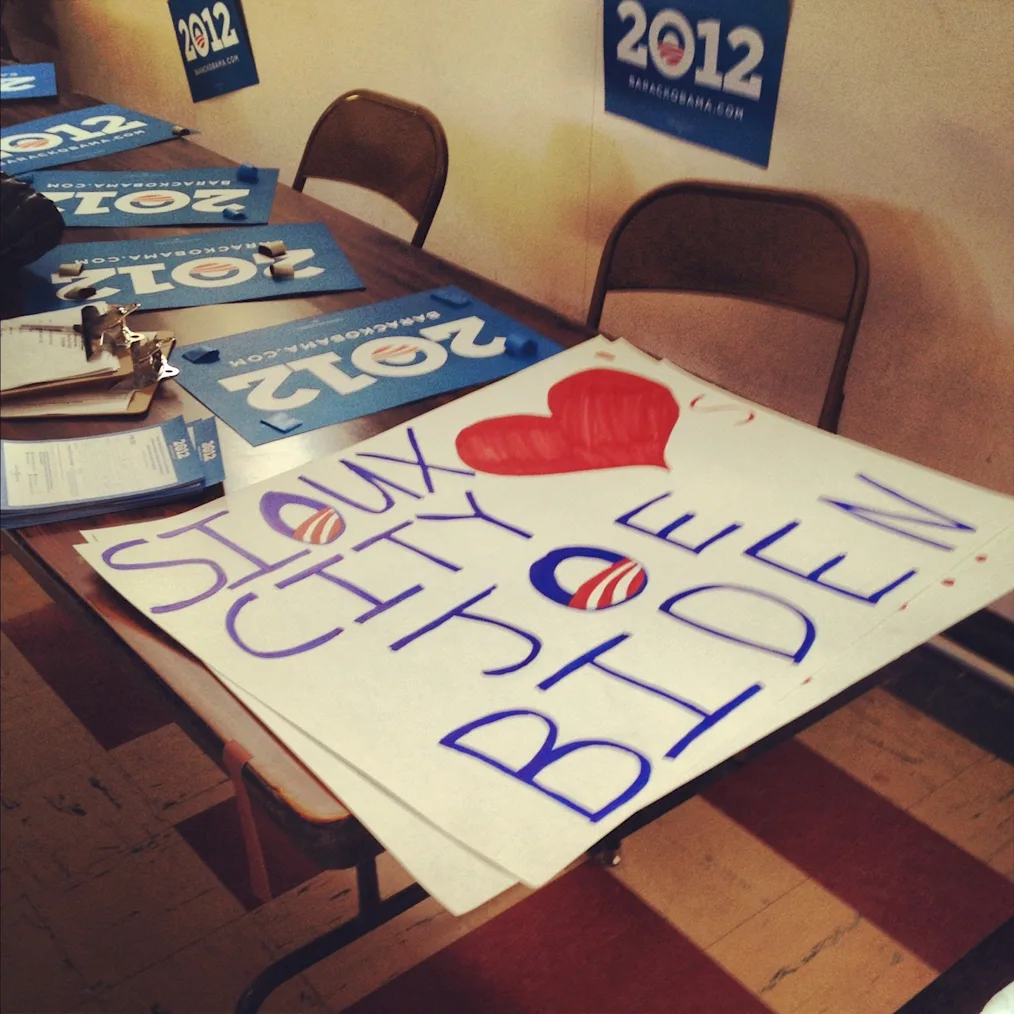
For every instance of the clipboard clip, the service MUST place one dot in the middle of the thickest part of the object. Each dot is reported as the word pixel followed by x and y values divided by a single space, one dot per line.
pixel 149 362
pixel 106 330
pixel 110 331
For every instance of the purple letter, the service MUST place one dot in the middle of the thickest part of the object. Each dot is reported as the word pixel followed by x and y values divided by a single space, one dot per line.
pixel 461 612
pixel 218 585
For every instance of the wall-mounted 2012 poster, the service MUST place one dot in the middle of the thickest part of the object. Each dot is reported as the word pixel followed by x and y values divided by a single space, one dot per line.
pixel 215 46
pixel 706 72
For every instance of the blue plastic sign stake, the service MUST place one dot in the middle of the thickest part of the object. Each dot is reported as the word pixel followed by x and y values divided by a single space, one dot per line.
pixel 451 297
pixel 27 81
pixel 520 345
pixel 171 197
pixel 282 422
pixel 247 173
pixel 162 272
pixel 200 354
pixel 214 45
pixel 77 134
pixel 707 73
pixel 340 366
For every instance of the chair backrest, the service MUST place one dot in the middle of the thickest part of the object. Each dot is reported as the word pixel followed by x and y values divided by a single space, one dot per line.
pixel 383 144
pixel 780 247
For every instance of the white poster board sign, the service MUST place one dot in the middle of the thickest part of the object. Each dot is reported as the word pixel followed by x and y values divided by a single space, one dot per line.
pixel 524 616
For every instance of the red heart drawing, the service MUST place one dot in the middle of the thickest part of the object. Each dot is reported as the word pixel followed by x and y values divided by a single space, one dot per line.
pixel 598 419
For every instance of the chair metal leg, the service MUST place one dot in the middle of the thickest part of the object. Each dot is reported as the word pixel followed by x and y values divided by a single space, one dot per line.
pixel 373 912
pixel 607 851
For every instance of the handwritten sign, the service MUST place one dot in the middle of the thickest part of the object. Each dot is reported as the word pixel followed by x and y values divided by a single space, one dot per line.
pixel 531 612
pixel 209 267
pixel 77 135
pixel 214 45
pixel 707 73
pixel 170 197
pixel 343 365
pixel 27 81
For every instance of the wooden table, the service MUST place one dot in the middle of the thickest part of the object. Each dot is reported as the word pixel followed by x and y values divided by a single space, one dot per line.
pixel 303 807
pixel 389 268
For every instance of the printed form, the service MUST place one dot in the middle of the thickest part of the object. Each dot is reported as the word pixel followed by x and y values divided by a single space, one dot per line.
pixel 44 472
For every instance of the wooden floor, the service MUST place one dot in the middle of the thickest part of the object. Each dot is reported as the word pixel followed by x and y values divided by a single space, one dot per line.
pixel 843 871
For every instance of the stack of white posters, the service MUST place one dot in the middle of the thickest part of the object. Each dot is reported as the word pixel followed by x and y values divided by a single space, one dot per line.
pixel 499 630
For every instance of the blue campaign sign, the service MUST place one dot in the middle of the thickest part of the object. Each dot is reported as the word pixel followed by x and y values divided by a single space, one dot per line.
pixel 170 197
pixel 209 267
pixel 215 46
pixel 27 81
pixel 76 135
pixel 707 73
pixel 290 379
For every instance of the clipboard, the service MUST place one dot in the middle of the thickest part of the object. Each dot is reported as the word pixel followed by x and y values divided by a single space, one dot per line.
pixel 143 362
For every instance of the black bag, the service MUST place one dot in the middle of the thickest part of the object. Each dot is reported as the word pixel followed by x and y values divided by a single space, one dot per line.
pixel 30 224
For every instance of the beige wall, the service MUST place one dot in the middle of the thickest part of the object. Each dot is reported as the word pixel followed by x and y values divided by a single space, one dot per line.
pixel 897 110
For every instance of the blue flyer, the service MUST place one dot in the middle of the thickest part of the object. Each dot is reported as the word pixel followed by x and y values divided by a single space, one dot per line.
pixel 294 378
pixel 75 135
pixel 214 45
pixel 707 73
pixel 42 481
pixel 28 81
pixel 163 272
pixel 172 197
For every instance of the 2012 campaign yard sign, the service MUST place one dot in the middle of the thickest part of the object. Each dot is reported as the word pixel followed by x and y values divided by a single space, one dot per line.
pixel 214 45
pixel 170 197
pixel 28 81
pixel 344 365
pixel 209 267
pixel 77 134
pixel 707 72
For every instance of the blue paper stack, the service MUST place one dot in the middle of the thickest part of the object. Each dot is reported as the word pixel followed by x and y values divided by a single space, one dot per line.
pixel 42 481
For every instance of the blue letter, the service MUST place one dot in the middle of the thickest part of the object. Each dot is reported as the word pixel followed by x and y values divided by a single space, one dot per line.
pixel 797 656
pixel 378 482
pixel 815 574
pixel 879 517
pixel 461 612
pixel 663 533
pixel 230 626
pixel 548 754
pixel 708 718
pixel 418 461
pixel 204 527
pixel 379 605
pixel 478 514
pixel 389 536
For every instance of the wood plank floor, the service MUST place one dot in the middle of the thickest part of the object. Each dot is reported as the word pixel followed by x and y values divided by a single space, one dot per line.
pixel 842 872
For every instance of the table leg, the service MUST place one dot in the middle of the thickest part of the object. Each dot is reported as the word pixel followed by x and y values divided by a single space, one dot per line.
pixel 373 912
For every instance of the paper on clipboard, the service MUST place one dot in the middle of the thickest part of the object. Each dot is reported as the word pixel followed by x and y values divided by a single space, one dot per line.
pixel 42 348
